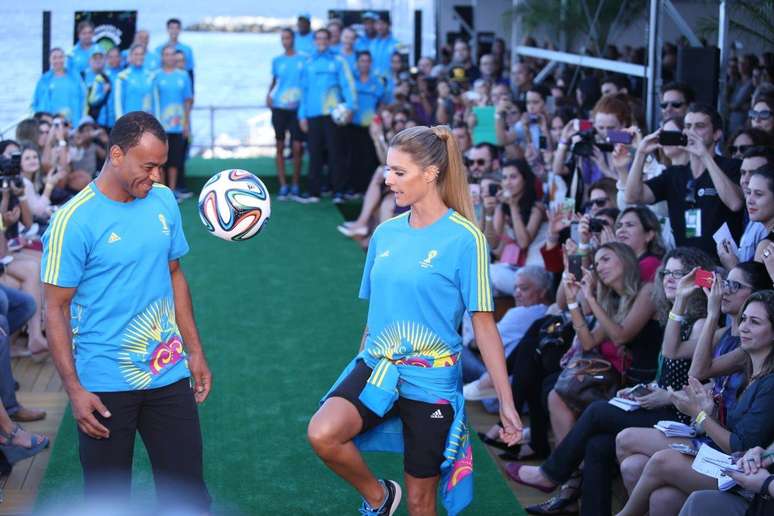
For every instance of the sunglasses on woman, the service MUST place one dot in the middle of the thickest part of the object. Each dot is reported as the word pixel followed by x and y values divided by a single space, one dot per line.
pixel 739 149
pixel 759 115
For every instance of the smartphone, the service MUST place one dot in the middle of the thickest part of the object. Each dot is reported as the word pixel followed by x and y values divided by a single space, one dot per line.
pixel 377 120
pixel 584 125
pixel 672 138
pixel 493 188
pixel 619 137
pixel 703 278
pixel 639 390
pixel 604 147
pixel 574 264
pixel 575 232
pixel 475 192
pixel 684 449
pixel 542 142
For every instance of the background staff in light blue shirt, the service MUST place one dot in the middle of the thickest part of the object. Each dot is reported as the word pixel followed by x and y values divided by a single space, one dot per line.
pixel 59 91
pixel 304 40
pixel 369 31
pixel 174 26
pixel 78 57
pixel 383 47
pixel 152 60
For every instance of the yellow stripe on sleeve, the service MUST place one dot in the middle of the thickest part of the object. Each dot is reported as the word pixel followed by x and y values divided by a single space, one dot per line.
pixel 56 242
pixel 484 290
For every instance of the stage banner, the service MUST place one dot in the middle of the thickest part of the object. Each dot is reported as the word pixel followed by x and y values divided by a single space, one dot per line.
pixel 111 28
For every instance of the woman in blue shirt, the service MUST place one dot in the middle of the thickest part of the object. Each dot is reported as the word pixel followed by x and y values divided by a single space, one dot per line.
pixel 403 392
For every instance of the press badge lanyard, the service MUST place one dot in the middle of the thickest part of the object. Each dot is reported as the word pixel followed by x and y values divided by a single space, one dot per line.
pixel 692 213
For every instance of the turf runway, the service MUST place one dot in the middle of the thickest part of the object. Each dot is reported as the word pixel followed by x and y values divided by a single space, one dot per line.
pixel 279 318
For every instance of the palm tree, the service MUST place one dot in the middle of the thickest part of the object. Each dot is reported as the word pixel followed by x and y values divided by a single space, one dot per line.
pixel 584 23
pixel 752 17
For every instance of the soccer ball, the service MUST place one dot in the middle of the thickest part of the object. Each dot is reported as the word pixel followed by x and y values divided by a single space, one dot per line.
pixel 234 205
pixel 339 114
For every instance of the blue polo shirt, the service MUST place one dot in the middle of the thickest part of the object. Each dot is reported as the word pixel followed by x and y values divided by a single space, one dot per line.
pixel 170 92
pixel 287 71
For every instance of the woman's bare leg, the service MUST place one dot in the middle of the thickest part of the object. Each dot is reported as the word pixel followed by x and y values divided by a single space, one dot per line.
pixel 330 433
pixel 562 417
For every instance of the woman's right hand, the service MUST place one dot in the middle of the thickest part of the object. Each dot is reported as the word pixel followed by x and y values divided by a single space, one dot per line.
pixel 513 429
pixel 751 460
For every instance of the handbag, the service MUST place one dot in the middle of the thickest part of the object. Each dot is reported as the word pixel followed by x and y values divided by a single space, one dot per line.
pixel 762 504
pixel 586 379
pixel 554 340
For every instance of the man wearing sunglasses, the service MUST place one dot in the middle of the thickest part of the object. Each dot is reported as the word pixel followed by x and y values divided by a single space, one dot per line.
pixel 675 98
pixel 481 160
pixel 703 194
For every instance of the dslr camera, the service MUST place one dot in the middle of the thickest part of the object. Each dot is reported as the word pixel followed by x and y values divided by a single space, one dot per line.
pixel 10 171
pixel 585 147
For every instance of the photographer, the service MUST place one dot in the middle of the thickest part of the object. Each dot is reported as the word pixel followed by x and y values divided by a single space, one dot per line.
pixel 701 195
pixel 531 128
pixel 599 147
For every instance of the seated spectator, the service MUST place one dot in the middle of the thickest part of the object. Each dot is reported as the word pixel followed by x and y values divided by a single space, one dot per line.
pixel 752 478
pixel 702 195
pixel 754 231
pixel 592 439
pixel 747 138
pixel 16 309
pixel 602 195
pixel 668 477
pixel 16 443
pixel 532 296
pixel 760 207
pixel 639 228
pixel 715 346
pixel 38 189
pixel 482 159
pixel 532 125
pixel 623 332
pixel 86 153
pixel 517 219
pixel 762 113
pixel 27 132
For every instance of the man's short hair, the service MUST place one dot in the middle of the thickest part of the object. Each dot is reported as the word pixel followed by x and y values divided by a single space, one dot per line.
pixel 82 25
pixel 493 154
pixel 760 151
pixel 682 87
pixel 289 31
pixel 175 21
pixel 128 130
pixel 711 112
pixel 323 29
pixel 607 185
pixel 539 276
pixel 619 81
pixel 363 53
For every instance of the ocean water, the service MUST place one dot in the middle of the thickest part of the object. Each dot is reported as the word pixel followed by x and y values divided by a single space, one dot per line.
pixel 232 69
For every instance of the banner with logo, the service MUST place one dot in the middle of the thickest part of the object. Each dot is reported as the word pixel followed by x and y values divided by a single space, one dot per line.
pixel 111 28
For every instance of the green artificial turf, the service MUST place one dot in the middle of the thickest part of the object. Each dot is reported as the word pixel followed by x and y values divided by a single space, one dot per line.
pixel 279 318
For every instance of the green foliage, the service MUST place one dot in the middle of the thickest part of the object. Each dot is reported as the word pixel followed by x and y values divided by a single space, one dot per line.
pixel 589 23
pixel 754 18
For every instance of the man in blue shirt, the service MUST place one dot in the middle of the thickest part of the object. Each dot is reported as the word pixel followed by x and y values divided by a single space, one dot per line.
pixel 120 323
pixel 133 86
pixel 362 159
pixel 283 99
pixel 173 97
pixel 174 26
pixel 304 40
pixel 369 29
pixel 78 57
pixel 326 81
pixel 383 47
pixel 152 59
pixel 59 91
pixel 98 88
pixel 112 70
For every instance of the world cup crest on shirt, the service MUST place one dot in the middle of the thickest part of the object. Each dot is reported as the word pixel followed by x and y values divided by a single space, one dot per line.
pixel 152 345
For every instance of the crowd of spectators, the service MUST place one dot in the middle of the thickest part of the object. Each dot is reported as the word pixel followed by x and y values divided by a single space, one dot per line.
pixel 644 251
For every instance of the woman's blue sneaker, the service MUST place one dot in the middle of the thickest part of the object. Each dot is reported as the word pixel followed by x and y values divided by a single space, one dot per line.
pixel 390 504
